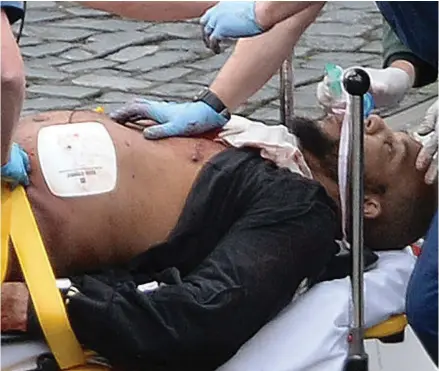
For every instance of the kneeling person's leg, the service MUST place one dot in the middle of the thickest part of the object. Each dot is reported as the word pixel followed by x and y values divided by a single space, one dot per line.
pixel 422 298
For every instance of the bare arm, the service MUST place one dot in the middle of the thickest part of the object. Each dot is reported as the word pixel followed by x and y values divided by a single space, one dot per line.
pixel 270 13
pixel 12 85
pixel 256 60
pixel 153 10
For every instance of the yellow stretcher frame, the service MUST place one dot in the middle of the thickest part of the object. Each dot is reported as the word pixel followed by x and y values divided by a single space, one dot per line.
pixel 19 224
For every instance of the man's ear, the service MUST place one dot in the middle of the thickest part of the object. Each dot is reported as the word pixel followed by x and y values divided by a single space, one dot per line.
pixel 372 206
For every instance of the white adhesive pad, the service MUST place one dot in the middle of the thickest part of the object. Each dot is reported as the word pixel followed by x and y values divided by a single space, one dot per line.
pixel 77 159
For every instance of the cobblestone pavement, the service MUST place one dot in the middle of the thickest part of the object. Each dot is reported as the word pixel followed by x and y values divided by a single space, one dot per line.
pixel 77 57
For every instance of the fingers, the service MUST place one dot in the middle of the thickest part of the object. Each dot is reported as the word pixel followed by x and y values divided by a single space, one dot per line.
pixel 430 120
pixel 428 151
pixel 210 33
pixel 431 174
pixel 141 110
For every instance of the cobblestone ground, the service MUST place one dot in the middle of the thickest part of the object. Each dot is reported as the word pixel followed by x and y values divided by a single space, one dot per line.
pixel 80 58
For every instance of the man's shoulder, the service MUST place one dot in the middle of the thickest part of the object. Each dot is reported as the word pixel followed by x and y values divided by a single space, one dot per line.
pixel 13 9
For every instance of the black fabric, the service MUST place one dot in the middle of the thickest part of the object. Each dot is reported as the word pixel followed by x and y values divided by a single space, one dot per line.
pixel 15 10
pixel 249 234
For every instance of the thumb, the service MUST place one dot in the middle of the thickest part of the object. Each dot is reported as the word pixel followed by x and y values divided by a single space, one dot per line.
pixel 429 122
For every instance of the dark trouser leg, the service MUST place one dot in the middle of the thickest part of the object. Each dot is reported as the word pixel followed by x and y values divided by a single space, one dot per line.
pixel 422 299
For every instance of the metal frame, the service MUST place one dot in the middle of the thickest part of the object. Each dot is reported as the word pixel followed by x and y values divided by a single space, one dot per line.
pixel 356 83
pixel 286 91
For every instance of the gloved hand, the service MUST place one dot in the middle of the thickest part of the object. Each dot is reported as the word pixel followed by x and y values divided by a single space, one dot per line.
pixel 229 19
pixel 388 88
pixel 428 134
pixel 16 170
pixel 176 119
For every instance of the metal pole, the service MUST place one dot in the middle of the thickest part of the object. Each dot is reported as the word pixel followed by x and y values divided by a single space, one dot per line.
pixel 356 83
pixel 286 91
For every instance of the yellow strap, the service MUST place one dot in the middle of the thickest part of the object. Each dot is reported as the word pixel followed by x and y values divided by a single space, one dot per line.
pixel 41 283
pixel 6 225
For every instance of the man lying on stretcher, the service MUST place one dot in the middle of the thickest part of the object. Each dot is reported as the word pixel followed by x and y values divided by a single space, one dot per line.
pixel 228 235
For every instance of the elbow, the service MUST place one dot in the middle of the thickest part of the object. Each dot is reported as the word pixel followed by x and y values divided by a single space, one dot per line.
pixel 13 81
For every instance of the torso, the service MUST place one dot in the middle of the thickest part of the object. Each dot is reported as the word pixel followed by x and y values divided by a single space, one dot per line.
pixel 154 180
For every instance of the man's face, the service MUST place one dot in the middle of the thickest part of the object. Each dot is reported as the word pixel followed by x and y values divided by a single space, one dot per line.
pixel 389 161
pixel 390 156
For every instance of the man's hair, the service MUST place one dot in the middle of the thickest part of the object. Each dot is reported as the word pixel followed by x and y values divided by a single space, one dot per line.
pixel 403 221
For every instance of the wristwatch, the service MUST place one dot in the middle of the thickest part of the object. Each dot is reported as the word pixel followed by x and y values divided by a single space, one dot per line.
pixel 207 96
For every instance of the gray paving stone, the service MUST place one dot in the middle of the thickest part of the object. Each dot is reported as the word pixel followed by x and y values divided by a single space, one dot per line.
pixel 109 25
pixel 332 43
pixel 373 47
pixel 367 6
pixel 132 53
pixel 29 41
pixel 35 16
pixel 349 17
pixel 107 43
pixel 31 5
pixel 74 92
pixel 81 11
pixel 44 62
pixel 117 97
pixel 179 29
pixel 95 64
pixel 213 63
pixel 182 45
pixel 338 29
pixel 109 82
pixel 181 90
pixel 345 60
pixel 45 49
pixel 158 60
pixel 167 74
pixel 202 78
pixel 58 34
pixel 266 94
pixel 44 74
pixel 77 54
pixel 266 114
pixel 49 104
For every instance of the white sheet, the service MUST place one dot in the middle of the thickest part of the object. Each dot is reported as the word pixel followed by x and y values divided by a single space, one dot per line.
pixel 308 335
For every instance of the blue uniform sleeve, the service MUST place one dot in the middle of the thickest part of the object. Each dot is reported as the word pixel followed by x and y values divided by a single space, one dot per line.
pixel 13 9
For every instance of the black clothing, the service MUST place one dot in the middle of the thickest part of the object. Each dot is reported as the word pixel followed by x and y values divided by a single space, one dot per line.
pixel 249 234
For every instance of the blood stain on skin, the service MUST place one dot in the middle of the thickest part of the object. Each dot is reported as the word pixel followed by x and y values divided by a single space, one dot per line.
pixel 197 155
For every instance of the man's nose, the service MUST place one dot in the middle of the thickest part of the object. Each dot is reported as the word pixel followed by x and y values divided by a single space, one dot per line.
pixel 373 125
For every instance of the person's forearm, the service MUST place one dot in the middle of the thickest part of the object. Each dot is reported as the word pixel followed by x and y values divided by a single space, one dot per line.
pixel 270 13
pixel 256 60
pixel 12 86
pixel 152 10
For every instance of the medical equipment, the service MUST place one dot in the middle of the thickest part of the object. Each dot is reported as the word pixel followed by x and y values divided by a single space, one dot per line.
pixel 356 83
pixel 286 78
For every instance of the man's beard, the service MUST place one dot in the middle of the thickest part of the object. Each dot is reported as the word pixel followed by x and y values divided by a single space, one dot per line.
pixel 317 143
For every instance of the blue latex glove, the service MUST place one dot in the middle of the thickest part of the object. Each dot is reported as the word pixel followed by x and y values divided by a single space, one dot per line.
pixel 229 19
pixel 176 119
pixel 16 170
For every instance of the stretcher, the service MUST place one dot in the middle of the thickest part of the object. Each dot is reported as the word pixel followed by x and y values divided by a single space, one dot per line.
pixel 63 350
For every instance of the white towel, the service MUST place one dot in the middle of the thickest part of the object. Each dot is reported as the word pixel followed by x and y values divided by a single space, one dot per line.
pixel 275 142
